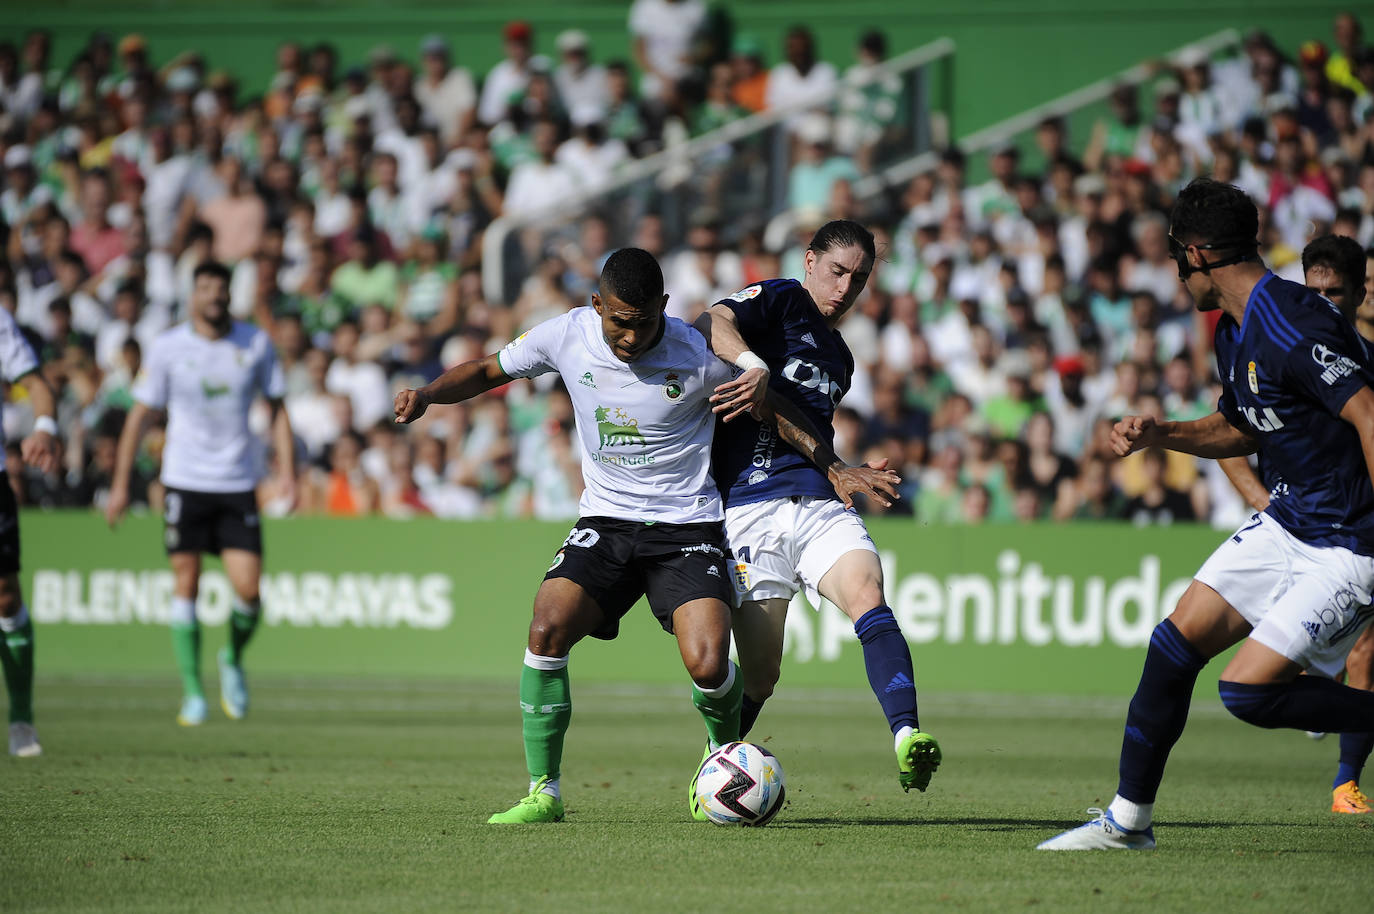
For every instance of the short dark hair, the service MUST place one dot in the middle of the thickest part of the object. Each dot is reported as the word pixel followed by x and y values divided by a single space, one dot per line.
pixel 842 233
pixel 211 268
pixel 1339 254
pixel 1214 213
pixel 633 276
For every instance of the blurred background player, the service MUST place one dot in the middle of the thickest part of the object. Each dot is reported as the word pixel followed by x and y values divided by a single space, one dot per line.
pixel 1294 584
pixel 20 366
pixel 786 527
pixel 1334 267
pixel 206 374
pixel 651 518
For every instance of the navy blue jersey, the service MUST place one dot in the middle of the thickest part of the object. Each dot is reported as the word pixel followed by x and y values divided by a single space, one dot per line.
pixel 1286 372
pixel 810 365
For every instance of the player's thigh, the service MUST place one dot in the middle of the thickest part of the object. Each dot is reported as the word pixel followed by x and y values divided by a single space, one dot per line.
pixel 1235 587
pixel 838 559
pixel 702 628
pixel 763 554
pixel 592 581
pixel 10 597
pixel 243 568
pixel 854 582
pixel 759 627
pixel 1313 624
pixel 236 525
pixel 1359 665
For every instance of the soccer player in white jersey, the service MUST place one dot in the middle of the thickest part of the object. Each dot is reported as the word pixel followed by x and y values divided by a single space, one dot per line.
pixel 206 374
pixel 20 366
pixel 786 525
pixel 651 515
pixel 1333 266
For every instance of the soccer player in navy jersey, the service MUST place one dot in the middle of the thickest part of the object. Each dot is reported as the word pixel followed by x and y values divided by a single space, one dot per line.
pixel 1294 583
pixel 786 526
pixel 1333 266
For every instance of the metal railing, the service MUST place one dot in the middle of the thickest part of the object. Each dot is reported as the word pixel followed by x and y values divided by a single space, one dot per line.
pixel 738 173
pixel 998 134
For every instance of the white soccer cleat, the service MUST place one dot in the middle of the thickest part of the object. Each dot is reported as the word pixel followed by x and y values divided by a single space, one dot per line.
pixel 233 688
pixel 193 710
pixel 1101 834
pixel 24 740
pixel 1315 734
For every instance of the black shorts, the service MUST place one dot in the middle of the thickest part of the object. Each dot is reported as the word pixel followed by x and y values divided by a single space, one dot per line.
pixel 618 561
pixel 211 521
pixel 9 529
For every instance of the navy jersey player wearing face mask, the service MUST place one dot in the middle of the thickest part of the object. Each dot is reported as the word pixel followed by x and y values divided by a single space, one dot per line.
pixel 1293 585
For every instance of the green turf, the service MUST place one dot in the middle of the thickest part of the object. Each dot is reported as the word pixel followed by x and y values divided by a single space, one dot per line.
pixel 338 796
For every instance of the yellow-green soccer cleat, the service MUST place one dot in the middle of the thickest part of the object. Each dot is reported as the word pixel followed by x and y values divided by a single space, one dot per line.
pixel 192 713
pixel 1349 798
pixel 693 802
pixel 233 688
pixel 537 807
pixel 917 758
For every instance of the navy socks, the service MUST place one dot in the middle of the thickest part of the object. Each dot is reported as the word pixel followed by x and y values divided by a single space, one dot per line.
pixel 1158 712
pixel 1306 703
pixel 888 661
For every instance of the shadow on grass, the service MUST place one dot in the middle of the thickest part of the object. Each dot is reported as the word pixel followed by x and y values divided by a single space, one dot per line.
pixel 991 824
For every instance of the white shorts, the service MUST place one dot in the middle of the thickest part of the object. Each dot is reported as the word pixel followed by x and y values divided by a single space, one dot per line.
pixel 784 544
pixel 1307 602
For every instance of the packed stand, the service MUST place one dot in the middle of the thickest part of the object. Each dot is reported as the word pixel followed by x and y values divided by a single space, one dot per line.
pixel 1008 322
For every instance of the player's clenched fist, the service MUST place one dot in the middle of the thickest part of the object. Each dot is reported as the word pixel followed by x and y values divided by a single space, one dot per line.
pixel 1132 433
pixel 409 405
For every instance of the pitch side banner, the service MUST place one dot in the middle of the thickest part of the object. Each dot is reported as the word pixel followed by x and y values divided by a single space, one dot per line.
pixel 1052 608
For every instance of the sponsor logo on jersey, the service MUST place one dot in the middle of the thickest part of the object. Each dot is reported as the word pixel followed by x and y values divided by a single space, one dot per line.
pixel 1253 378
pixel 213 390
pixel 703 547
pixel 672 387
pixel 808 339
pixel 713 571
pixel 757 477
pixel 1334 366
pixel 617 428
pixel 743 295
pixel 586 380
pixel 1265 420
pixel 804 374
pixel 515 343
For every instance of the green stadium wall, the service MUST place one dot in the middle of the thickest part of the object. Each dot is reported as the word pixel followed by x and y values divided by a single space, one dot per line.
pixel 1011 54
pixel 1049 609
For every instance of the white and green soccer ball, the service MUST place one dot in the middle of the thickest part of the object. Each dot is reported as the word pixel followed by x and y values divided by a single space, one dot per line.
pixel 740 784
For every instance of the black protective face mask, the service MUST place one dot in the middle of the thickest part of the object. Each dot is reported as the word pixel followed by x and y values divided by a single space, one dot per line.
pixel 1179 252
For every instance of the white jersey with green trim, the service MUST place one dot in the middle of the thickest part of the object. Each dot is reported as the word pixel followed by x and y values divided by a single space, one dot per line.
pixel 16 355
pixel 207 386
pixel 645 426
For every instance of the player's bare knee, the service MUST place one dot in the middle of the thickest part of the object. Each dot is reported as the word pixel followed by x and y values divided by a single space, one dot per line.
pixel 548 637
pixel 11 598
pixel 708 668
pixel 760 683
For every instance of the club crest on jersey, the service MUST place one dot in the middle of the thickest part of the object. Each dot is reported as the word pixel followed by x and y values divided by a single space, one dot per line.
pixel 672 387
pixel 1253 378
pixel 743 295
pixel 741 578
pixel 613 433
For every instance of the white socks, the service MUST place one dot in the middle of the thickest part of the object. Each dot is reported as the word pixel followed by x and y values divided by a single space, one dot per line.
pixel 901 734
pixel 551 788
pixel 1133 816
pixel 15 622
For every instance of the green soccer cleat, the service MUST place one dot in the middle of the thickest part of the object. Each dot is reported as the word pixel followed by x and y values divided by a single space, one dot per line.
pixel 693 803
pixel 192 713
pixel 917 758
pixel 537 807
pixel 233 688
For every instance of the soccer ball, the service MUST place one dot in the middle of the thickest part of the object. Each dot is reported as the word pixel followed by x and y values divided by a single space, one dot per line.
pixel 740 784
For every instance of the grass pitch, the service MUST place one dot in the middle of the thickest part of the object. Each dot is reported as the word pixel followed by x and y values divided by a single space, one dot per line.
pixel 357 796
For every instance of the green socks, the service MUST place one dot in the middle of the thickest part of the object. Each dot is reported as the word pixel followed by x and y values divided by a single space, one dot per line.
pixel 186 644
pixel 243 621
pixel 546 709
pixel 720 707
pixel 16 656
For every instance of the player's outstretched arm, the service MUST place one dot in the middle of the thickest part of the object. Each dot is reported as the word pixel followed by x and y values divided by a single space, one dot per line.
pixel 876 482
pixel 134 426
pixel 1242 476
pixel 1359 412
pixel 744 394
pixel 1212 436
pixel 459 383
pixel 39 449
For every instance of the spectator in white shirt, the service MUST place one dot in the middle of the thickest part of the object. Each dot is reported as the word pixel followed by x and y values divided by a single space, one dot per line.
pixel 445 92
pixel 665 36
pixel 581 84
pixel 508 77
pixel 541 185
pixel 363 383
pixel 800 77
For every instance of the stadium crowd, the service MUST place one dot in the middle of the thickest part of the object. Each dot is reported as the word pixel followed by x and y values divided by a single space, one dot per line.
pixel 1007 323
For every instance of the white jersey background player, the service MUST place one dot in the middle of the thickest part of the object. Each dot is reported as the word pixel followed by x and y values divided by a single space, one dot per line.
pixel 651 517
pixel 206 373
pixel 20 366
